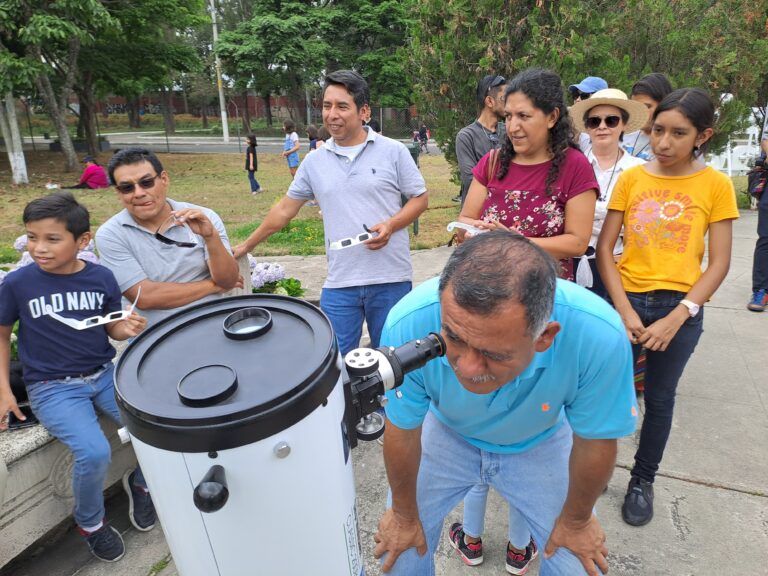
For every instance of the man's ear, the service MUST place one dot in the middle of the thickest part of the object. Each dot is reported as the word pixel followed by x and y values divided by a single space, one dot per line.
pixel 544 341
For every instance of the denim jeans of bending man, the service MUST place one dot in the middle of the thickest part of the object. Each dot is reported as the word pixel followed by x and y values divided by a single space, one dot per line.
pixel 760 262
pixel 346 308
pixel 68 410
pixel 534 482
pixel 662 373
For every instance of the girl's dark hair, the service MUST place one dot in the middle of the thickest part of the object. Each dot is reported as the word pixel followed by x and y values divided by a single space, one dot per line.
pixel 62 207
pixel 654 85
pixel 693 103
pixel 323 134
pixel 545 89
pixel 251 139
pixel 312 132
pixel 289 126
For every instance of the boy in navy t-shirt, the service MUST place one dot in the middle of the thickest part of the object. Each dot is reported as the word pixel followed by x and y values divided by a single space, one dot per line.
pixel 67 368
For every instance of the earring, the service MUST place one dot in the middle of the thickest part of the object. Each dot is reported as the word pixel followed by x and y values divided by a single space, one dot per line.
pixel 695 148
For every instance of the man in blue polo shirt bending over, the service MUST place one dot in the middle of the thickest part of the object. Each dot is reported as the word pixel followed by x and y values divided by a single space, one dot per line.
pixel 357 178
pixel 534 390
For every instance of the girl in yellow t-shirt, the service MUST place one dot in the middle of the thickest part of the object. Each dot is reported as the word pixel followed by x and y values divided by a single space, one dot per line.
pixel 666 207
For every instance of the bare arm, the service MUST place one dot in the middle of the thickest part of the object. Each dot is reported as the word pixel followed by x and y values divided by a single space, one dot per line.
pixel 407 214
pixel 590 468
pixel 659 334
pixel 573 242
pixel 165 295
pixel 400 527
pixel 610 274
pixel 7 399
pixel 128 328
pixel 277 219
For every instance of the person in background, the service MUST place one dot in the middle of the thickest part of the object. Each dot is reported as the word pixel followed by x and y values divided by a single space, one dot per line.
pixel 760 261
pixel 358 178
pixel 484 134
pixel 291 146
pixel 371 122
pixel 252 163
pixel 584 89
pixel 649 91
pixel 667 207
pixel 93 176
pixel 604 118
pixel 312 136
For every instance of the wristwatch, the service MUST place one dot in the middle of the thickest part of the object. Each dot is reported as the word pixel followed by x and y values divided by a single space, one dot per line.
pixel 693 308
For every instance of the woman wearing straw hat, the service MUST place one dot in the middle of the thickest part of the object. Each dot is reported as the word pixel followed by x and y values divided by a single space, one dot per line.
pixel 605 118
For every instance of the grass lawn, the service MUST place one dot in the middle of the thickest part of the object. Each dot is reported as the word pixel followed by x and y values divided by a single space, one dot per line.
pixel 219 182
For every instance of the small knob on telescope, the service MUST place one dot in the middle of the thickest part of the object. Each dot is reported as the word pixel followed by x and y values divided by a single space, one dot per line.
pixel 212 492
pixel 361 362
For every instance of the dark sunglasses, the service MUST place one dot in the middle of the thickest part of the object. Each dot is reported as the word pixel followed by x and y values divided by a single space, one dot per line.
pixel 593 122
pixel 144 183
pixel 579 95
pixel 498 81
pixel 162 233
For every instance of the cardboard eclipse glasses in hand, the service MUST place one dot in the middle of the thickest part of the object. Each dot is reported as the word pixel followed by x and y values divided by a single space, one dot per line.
pixel 359 239
pixel 93 320
pixel 173 222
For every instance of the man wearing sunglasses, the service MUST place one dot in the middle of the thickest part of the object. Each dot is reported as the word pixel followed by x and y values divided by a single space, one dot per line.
pixel 175 252
pixel 477 139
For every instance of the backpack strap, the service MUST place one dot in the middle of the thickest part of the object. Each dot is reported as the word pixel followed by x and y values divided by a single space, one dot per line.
pixel 493 165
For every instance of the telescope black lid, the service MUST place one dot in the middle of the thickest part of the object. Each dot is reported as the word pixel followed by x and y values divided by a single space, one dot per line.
pixel 227 373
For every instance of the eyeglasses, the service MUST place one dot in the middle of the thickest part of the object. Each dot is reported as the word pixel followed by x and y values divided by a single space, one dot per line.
pixel 144 183
pixel 93 320
pixel 173 222
pixel 497 81
pixel 593 122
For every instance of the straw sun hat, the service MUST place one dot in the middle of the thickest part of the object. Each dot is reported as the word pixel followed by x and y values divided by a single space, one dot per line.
pixel 638 113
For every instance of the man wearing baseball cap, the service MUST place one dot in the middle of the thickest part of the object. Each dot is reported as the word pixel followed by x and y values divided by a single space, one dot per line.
pixel 587 87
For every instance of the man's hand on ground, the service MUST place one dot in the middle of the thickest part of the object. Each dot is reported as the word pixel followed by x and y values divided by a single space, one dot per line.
pixel 585 540
pixel 397 534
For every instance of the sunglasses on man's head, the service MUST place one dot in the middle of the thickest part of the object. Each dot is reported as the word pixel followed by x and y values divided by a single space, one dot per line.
pixel 593 122
pixel 144 183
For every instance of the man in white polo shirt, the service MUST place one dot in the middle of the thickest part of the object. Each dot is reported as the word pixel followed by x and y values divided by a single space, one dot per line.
pixel 357 178
pixel 189 262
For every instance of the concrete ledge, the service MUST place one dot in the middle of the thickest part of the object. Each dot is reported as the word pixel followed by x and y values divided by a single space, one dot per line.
pixel 38 494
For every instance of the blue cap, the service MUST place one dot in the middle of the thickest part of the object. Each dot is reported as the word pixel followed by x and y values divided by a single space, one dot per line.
pixel 589 85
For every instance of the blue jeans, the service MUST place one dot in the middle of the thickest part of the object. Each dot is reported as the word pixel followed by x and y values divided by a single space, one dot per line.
pixel 347 307
pixel 255 186
pixel 535 483
pixel 662 373
pixel 67 409
pixel 760 261
pixel 474 518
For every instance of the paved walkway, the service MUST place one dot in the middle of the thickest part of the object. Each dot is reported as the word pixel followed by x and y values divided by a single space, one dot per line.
pixel 711 493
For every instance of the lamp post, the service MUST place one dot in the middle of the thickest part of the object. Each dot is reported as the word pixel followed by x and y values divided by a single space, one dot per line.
pixel 217 64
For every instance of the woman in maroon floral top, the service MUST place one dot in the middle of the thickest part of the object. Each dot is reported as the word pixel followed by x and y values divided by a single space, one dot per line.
pixel 542 186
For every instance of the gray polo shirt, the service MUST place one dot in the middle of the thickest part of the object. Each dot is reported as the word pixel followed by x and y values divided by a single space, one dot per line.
pixel 132 253
pixel 472 143
pixel 363 191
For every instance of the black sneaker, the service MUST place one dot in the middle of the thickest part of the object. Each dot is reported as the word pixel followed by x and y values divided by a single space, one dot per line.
pixel 141 511
pixel 638 503
pixel 456 198
pixel 519 563
pixel 471 554
pixel 105 543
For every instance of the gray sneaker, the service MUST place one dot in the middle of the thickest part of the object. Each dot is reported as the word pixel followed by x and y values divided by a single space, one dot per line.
pixel 141 510
pixel 105 543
